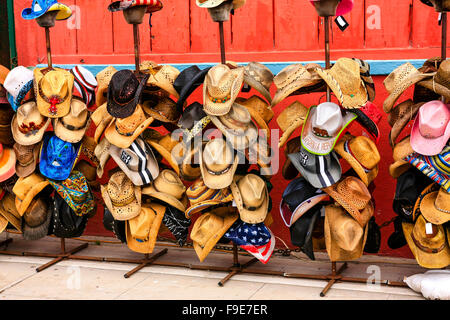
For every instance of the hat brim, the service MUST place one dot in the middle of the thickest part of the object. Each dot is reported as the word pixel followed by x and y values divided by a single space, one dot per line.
pixel 425 146
pixel 64 12
pixel 287 134
pixel 126 212
pixel 302 208
pixel 166 154
pixel 430 212
pixel 25 171
pixel 24 139
pixel 190 87
pixel 218 181
pixel 258 87
pixel 238 141
pixel 22 205
pixel 167 198
pixel 201 206
pixel 72 136
pixel 122 141
pixel 282 94
pixel 425 259
pixel 7 164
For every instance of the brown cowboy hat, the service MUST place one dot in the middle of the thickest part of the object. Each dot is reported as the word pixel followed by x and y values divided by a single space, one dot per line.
pixel 439 83
pixel 163 109
pixel 26 189
pixel 290 119
pixel 400 116
pixel 427 243
pixel 259 77
pixel 27 158
pixel 401 151
pixel 435 207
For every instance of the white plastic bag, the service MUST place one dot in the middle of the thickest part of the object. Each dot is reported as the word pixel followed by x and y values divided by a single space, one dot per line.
pixel 433 284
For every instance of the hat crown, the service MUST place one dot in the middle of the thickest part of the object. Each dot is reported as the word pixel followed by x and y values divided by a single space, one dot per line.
pixel 347 232
pixel 327 120
pixel 217 155
pixel 16 79
pixel 355 191
pixel 36 213
pixel 55 83
pixel 219 81
pixel 127 126
pixel 260 106
pixel 206 227
pixel 434 117
pixel 140 225
pixel 402 149
pixel 290 74
pixel 365 151
pixel 443 74
pixel 24 185
pixel 78 115
pixel 120 189
pixel 237 118
pixel 29 117
pixel 169 183
pixel 104 76
pixel 395 80
pixel 253 190
pixel 442 202
pixel 289 115
pixel 124 85
pixel 429 241
pixel 260 73
pixel 198 192
pixel 24 154
pixel 346 72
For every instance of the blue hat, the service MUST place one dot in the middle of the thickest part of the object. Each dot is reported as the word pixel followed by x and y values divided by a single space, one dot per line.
pixel 40 7
pixel 58 157
pixel 242 233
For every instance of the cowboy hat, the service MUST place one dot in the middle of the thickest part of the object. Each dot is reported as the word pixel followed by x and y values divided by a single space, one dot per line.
pixel 84 84
pixel 27 158
pixel 431 187
pixel 36 219
pixel 162 77
pixel 7 163
pixel 431 129
pixel 189 167
pixel 435 207
pixel 439 82
pixel 168 188
pixel 166 146
pixel 364 70
pixel 152 5
pixel 289 171
pixel 9 211
pixel 102 154
pixel 352 194
pixel 18 83
pixel 400 152
pixel 163 109
pixel 138 162
pixel 301 231
pixel 368 116
pixel 103 80
pixel 193 121
pixel 89 172
pixel 73 126
pixel 214 3
pixel 323 126
pixel 177 223
pixel 220 89
pixel 122 198
pixel 427 243
pixel 65 223
pixel 28 125
pixel 142 230
pixel 102 119
pixel 259 110
pixel 218 164
pixel 53 91
pixel 400 116
pixel 40 7
pixel 115 226
pixel 291 118
pixel 362 155
pixel 259 77
pixel 345 81
pixel 187 81
pixel 209 228
pixel 26 189
pixel 251 197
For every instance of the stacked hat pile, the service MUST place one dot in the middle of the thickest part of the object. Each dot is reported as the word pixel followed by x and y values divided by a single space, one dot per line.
pixel 46 188
pixel 324 202
pixel 421 160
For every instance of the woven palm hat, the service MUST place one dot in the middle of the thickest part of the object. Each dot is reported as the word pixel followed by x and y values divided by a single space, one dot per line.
pixel 122 198
pixel 344 237
pixel 400 116
pixel 103 79
pixel 352 194
pixel 364 70
pixel 209 228
pixel 290 119
pixel 73 126
pixel 259 77
pixel 168 188
pixel 237 126
pixel 293 78
pixel 27 158
pixel 400 152
pixel 101 152
pixel 53 91
pixel 28 124
pixel 259 110
pixel 252 198
pixel 220 89
pixel 435 207
pixel 9 211
pixel 121 132
pixel 427 243
pixel 142 230
pixel 168 147
pixel 164 110
pixel 163 77
pixel 399 80
pixel 26 189
pixel 189 167
pixel 345 81
pixel 362 155
pixel 102 119
pixel 218 164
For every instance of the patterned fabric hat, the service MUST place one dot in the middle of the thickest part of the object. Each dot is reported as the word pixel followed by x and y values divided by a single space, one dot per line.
pixel 40 7
pixel 75 191
pixel 85 83
pixel 66 224
pixel 242 233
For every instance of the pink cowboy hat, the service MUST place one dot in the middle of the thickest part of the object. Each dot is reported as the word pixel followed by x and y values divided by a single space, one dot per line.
pixel 345 6
pixel 431 129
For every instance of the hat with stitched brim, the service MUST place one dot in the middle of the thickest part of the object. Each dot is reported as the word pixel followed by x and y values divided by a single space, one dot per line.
pixel 40 7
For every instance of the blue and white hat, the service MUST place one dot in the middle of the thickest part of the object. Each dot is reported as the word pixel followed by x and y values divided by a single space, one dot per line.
pixel 18 83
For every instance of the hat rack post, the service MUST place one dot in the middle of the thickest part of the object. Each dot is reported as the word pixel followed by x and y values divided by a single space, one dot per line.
pixel 136 46
pixel 49 50
pixel 444 35
pixel 327 51
pixel 222 43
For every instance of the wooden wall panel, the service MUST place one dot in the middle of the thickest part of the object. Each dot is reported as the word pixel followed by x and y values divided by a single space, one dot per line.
pixel 63 37
pixel 123 35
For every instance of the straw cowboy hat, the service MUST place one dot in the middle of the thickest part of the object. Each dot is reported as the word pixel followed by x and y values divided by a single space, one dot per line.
pixel 28 188
pixel 102 154
pixel 427 243
pixel 362 155
pixel 439 83
pixel 124 93
pixel 166 146
pixel 209 228
pixel 102 119
pixel 163 77
pixel 189 166
pixel 121 132
pixel 352 194
pixel 18 83
pixel 36 219
pixel 168 188
pixel 27 158
pixel 201 197
pixel 103 80
pixel 138 162
pixel 399 80
pixel 8 211
pixel 259 77
pixel 291 118
pixel 435 207
pixel 7 163
pixel 293 78
pixel 28 125
pixel 328 8
pixel 323 126
pixel 259 110
pixel 399 118
pixel 364 70
pixel 252 198
pixel 400 152
pixel 218 164
pixel 431 129
pixel 73 126
pixel 142 230
pixel 345 81
pixel 163 109
pixel 40 7
pixel 430 188
pixel 344 237
pixel 220 89
pixel 53 90
pixel 215 3
pixel 122 198
pixel 237 126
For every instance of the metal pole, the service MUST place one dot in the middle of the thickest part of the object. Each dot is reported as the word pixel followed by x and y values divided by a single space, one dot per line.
pixel 222 43
pixel 444 35
pixel 136 46
pixel 327 50
pixel 49 50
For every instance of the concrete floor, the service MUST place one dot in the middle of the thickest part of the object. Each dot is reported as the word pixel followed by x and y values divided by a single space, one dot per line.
pixel 75 279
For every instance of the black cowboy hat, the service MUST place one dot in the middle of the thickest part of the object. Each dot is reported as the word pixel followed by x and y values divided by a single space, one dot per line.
pixel 302 229
pixel 373 241
pixel 187 81
pixel 397 239
pixel 176 221
pixel 66 224
pixel 124 93
pixel 115 226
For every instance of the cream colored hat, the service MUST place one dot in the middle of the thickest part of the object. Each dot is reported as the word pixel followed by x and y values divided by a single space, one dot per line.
pixel 28 125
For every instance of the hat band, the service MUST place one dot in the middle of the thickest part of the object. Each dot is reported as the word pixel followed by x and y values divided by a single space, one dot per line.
pixel 31 128
pixel 123 203
pixel 25 164
pixel 425 249
pixel 196 129
pixel 217 100
pixel 219 173
pixel 73 128
pixel 440 209
pixel 129 134
pixel 348 150
pixel 53 100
